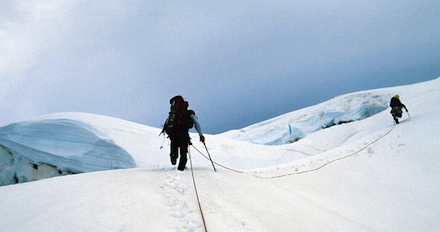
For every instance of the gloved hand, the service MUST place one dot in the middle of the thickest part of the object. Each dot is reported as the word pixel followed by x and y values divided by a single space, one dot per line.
pixel 202 138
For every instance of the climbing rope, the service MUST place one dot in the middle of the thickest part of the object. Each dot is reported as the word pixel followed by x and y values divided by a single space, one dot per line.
pixel 195 189
pixel 332 161
pixel 230 169
pixel 272 177
pixel 306 171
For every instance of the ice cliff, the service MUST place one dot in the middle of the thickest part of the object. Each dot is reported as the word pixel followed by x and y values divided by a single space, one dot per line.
pixel 295 125
pixel 33 150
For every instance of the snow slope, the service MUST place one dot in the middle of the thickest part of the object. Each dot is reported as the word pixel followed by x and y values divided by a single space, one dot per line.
pixel 367 175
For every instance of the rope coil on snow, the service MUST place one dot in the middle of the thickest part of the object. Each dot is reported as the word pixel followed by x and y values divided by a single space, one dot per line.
pixel 306 171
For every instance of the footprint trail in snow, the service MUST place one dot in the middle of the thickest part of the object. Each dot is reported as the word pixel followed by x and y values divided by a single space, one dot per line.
pixel 178 195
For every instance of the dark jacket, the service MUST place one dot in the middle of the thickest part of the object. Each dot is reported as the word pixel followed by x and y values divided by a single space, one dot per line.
pixel 395 102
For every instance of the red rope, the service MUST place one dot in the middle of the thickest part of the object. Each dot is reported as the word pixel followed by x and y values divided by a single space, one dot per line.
pixel 195 188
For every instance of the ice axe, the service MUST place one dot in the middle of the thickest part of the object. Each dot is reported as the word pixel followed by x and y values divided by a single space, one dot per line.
pixel 209 156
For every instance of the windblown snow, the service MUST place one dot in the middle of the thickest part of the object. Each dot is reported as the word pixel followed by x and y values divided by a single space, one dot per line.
pixel 341 165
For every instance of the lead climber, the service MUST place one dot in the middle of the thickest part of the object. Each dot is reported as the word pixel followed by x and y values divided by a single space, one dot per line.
pixel 396 108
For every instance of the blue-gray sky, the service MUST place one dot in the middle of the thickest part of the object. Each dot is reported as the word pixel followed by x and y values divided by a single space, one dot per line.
pixel 236 62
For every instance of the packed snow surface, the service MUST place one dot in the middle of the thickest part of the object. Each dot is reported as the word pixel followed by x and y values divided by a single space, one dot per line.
pixel 367 175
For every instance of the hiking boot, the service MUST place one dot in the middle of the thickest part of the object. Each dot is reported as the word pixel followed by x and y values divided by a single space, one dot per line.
pixel 182 163
pixel 173 159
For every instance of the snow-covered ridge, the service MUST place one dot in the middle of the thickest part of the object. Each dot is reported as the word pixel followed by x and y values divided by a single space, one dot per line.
pixel 298 124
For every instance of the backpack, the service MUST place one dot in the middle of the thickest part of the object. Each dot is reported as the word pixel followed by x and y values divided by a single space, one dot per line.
pixel 397 111
pixel 179 117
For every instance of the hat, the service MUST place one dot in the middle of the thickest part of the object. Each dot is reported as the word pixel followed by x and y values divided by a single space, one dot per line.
pixel 397 96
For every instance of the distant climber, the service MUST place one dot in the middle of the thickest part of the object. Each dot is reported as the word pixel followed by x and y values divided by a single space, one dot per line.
pixel 396 108
pixel 179 121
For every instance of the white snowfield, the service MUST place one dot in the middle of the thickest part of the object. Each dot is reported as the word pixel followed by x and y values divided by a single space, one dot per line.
pixel 367 175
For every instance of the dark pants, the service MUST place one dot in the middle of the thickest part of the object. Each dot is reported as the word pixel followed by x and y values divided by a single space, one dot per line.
pixel 396 112
pixel 179 142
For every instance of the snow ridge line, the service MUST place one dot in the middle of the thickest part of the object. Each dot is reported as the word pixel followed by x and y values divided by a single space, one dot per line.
pixel 306 171
pixel 195 189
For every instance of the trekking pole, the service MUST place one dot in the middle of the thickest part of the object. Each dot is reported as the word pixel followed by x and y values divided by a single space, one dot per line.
pixel 163 141
pixel 408 115
pixel 209 157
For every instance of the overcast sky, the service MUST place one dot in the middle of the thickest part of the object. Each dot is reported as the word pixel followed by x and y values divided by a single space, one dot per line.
pixel 236 62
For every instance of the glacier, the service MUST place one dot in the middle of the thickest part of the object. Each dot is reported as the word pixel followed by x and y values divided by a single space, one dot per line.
pixel 368 175
pixel 72 142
